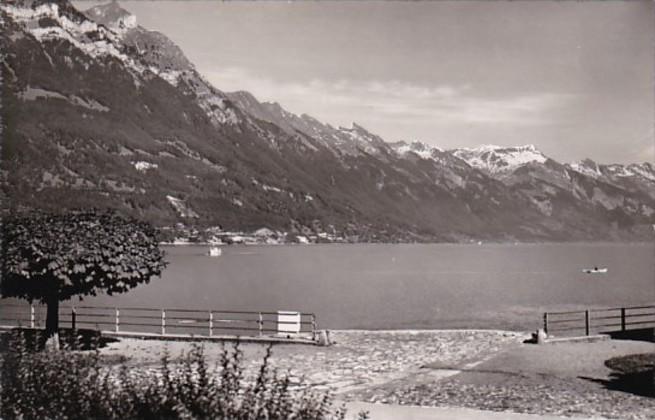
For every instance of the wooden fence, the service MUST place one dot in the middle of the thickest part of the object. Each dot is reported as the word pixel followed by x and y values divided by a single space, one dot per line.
pixel 168 321
pixel 598 321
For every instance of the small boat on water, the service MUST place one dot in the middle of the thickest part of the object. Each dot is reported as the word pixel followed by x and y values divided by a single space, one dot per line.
pixel 215 251
pixel 595 270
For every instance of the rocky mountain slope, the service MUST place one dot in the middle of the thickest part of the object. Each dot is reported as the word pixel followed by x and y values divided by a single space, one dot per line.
pixel 99 111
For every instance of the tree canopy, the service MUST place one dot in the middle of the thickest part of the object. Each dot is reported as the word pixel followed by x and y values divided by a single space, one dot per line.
pixel 52 257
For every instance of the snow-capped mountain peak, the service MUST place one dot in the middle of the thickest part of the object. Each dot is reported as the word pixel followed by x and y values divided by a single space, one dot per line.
pixel 645 170
pixel 587 167
pixel 500 159
pixel 423 150
pixel 183 151
pixel 113 16
pixel 359 135
pixel 48 21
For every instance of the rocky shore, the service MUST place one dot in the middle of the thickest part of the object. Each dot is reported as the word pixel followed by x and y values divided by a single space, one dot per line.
pixel 483 369
pixel 356 360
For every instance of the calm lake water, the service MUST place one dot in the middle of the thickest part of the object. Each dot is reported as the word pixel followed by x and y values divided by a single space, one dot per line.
pixel 402 286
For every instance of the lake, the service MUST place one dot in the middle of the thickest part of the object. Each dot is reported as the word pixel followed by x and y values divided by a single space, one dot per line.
pixel 405 286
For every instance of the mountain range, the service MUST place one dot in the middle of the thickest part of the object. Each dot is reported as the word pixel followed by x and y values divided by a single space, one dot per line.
pixel 101 112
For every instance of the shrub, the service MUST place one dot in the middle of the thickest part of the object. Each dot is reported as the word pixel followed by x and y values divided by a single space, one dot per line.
pixel 82 385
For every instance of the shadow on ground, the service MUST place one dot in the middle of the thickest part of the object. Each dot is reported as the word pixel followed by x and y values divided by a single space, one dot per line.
pixel 634 374
pixel 642 334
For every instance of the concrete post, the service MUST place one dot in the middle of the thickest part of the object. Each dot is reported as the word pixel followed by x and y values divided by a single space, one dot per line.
pixel 163 321
pixel 324 338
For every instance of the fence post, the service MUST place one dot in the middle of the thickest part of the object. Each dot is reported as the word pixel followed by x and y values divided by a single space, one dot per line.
pixel 586 322
pixel 260 321
pixel 313 325
pixel 211 323
pixel 546 322
pixel 73 318
pixel 622 319
pixel 32 317
pixel 118 320
pixel 163 321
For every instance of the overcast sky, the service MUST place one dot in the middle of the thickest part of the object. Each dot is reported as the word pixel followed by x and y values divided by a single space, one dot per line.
pixel 574 78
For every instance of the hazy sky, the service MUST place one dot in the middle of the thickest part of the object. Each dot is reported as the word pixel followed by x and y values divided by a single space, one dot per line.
pixel 574 78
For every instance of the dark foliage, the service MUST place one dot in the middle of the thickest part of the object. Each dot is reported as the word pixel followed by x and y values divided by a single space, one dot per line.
pixel 76 254
pixel 77 385
pixel 52 257
pixel 34 339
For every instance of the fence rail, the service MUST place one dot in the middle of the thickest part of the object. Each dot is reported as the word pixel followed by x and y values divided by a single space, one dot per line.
pixel 602 320
pixel 163 321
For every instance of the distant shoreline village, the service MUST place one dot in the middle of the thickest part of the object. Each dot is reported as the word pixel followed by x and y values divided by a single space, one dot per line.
pixel 182 235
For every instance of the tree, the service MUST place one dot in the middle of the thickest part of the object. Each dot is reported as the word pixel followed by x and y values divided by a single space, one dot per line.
pixel 53 257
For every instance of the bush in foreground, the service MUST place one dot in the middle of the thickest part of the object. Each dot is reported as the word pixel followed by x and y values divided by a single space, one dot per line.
pixel 77 385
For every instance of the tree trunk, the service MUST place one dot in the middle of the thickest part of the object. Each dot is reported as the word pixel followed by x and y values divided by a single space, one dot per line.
pixel 52 317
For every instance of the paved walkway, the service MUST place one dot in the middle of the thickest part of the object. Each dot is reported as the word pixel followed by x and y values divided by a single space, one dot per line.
pixel 398 412
pixel 566 379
